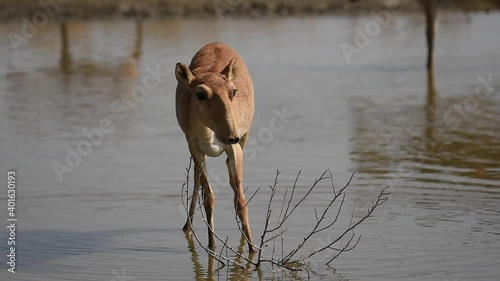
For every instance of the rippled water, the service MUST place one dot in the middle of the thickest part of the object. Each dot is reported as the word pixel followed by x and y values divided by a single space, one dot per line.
pixel 117 215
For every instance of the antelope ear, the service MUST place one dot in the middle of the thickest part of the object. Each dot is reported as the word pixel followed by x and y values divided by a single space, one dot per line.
pixel 183 74
pixel 230 70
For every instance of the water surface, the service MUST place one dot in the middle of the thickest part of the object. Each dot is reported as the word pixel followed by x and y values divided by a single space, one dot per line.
pixel 118 213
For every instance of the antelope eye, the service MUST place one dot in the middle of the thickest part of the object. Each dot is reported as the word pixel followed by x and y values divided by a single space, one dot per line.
pixel 235 92
pixel 201 96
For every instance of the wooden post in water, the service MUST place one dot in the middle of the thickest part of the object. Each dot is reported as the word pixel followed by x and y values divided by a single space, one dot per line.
pixel 431 21
pixel 138 39
pixel 431 11
pixel 66 59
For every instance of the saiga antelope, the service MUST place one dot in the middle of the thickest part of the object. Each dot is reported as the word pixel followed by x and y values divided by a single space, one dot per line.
pixel 214 106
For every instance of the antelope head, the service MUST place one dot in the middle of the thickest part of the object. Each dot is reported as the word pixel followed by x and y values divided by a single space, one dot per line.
pixel 212 96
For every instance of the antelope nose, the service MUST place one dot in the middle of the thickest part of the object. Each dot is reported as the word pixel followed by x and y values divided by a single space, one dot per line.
pixel 234 140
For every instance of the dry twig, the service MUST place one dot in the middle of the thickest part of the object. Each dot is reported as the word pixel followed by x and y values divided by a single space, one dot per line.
pixel 273 234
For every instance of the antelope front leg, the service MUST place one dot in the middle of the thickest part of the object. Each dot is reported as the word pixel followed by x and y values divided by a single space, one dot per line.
pixel 201 178
pixel 208 203
pixel 235 168
pixel 194 199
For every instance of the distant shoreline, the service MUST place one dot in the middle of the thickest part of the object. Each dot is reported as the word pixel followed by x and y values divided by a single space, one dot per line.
pixel 58 10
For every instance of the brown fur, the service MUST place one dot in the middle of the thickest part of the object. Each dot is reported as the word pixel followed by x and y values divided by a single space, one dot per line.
pixel 220 122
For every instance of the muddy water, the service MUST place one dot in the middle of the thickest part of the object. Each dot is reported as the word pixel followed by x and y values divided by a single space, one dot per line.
pixel 115 212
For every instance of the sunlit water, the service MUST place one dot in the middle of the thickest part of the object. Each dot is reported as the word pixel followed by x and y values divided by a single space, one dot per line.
pixel 118 214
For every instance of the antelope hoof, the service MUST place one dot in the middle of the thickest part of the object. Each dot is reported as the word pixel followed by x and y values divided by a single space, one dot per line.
pixel 187 228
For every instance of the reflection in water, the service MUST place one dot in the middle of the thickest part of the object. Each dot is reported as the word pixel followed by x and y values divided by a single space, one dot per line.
pixel 128 67
pixel 72 93
pixel 431 88
pixel 438 143
pixel 239 273
pixel 197 267
pixel 466 140
pixel 233 272
pixel 432 228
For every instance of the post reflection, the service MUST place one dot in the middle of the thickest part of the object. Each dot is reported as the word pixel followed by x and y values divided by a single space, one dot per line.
pixel 128 66
pixel 453 139
pixel 79 80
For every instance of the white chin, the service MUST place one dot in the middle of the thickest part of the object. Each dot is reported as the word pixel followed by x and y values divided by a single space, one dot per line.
pixel 213 148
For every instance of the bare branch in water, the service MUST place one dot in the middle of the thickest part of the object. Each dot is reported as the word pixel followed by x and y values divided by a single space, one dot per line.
pixel 272 235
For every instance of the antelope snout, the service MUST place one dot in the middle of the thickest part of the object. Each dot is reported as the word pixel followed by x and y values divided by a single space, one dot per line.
pixel 228 140
pixel 233 140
